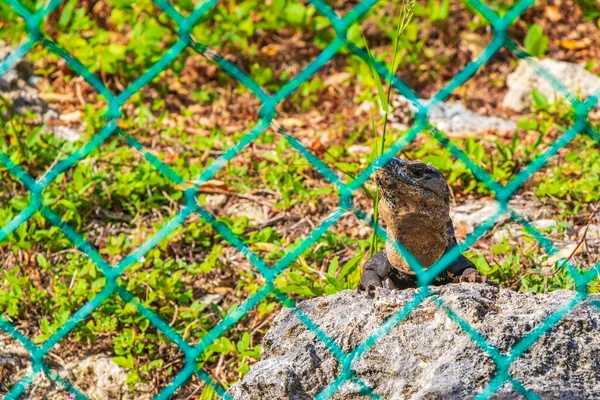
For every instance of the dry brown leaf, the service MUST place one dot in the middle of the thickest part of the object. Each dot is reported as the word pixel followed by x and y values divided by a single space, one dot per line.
pixel 565 252
pixel 170 158
pixel 222 290
pixel 211 184
pixel 270 49
pixel 291 123
pixel 336 79
pixel 574 44
pixel 71 117
pixel 264 246
pixel 56 97
pixel 214 184
pixel 553 13
pixel 473 42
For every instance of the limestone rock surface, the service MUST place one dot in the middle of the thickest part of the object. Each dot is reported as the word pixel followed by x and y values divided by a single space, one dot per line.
pixel 96 375
pixel 427 355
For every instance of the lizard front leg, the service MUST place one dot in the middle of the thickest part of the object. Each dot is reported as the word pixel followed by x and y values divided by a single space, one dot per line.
pixel 472 276
pixel 462 268
pixel 376 270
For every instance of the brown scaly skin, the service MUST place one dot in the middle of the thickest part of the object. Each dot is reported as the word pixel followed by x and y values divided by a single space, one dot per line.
pixel 415 207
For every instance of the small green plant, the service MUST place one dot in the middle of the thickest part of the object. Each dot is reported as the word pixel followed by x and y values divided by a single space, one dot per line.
pixel 590 8
pixel 435 10
pixel 536 43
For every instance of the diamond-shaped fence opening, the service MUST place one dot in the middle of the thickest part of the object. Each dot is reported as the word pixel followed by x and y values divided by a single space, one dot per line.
pixel 193 106
pixel 334 257
pixel 115 47
pixel 275 31
pixel 196 296
pixel 432 51
pixel 147 357
pixel 185 33
pixel 30 119
pixel 270 193
pixel 41 267
pixel 104 207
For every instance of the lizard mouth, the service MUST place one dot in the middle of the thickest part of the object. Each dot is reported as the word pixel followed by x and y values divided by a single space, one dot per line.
pixel 395 180
pixel 395 170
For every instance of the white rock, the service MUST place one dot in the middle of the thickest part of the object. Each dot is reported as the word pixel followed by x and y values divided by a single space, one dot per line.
pixel 574 77
pixel 451 118
pixel 97 376
pixel 469 215
pixel 215 200
pixel 544 224
pixel 211 298
pixel 454 118
pixel 510 232
pixel 253 211
pixel 68 134
pixel 359 149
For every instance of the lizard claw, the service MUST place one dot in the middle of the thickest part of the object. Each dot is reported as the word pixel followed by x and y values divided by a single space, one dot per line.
pixel 471 275
pixel 370 289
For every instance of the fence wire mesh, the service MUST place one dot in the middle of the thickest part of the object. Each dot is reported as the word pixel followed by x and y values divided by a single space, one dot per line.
pixel 267 119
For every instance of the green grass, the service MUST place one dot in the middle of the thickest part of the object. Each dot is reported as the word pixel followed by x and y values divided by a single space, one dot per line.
pixel 127 189
pixel 116 200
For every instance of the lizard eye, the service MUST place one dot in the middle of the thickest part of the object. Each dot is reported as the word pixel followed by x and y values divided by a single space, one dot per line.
pixel 419 172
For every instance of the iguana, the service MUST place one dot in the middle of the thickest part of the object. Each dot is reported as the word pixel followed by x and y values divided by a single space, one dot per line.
pixel 415 208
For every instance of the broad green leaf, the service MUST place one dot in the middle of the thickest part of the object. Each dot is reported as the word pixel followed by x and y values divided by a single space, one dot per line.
pixel 243 343
pixel 333 266
pixel 355 35
pixel 126 362
pixel 295 13
pixel 536 43
pixel 67 14
pixel 540 100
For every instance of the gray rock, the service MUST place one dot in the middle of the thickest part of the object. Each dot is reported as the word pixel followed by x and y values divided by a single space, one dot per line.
pixel 455 118
pixel 68 134
pixel 450 118
pixel 16 77
pixel 574 77
pixel 96 375
pixel 101 378
pixel 253 211
pixel 17 88
pixel 14 362
pixel 427 355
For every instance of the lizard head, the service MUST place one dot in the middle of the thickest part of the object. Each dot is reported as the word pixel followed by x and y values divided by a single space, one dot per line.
pixel 412 185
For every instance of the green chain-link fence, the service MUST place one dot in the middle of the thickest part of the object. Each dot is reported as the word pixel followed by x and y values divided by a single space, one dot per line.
pixel 345 191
